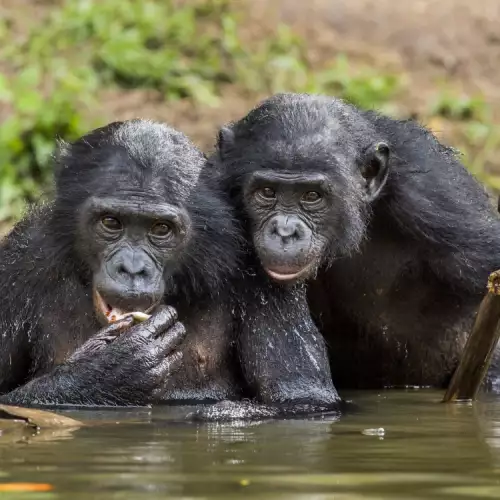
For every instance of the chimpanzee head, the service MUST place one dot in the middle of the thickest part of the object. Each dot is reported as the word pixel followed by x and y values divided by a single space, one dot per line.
pixel 303 171
pixel 126 202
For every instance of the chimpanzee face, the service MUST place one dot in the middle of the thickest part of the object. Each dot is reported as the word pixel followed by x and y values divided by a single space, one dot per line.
pixel 124 194
pixel 289 215
pixel 304 171
pixel 128 243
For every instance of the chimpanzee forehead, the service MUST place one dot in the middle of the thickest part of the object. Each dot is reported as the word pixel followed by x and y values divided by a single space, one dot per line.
pixel 288 177
pixel 138 157
pixel 118 173
pixel 136 207
pixel 311 154
pixel 304 125
pixel 289 115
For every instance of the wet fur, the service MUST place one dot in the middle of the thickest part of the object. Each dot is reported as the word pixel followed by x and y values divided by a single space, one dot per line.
pixel 397 290
pixel 47 309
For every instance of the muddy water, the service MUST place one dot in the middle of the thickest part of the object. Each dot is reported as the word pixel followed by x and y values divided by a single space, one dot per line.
pixel 426 450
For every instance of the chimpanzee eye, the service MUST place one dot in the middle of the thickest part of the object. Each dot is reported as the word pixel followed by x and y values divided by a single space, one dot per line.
pixel 161 230
pixel 311 197
pixel 268 193
pixel 111 223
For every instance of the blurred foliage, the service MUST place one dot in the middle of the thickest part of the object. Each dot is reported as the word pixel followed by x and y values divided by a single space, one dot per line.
pixel 50 78
pixel 28 134
pixel 459 107
pixel 183 50
pixel 477 134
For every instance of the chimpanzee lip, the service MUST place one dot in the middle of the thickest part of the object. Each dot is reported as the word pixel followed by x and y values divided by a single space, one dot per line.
pixel 110 314
pixel 288 276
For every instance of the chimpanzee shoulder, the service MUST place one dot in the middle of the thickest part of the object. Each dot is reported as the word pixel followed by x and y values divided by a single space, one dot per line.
pixel 437 202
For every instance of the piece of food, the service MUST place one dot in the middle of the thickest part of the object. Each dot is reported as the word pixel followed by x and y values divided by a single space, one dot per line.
pixel 138 316
pixel 107 313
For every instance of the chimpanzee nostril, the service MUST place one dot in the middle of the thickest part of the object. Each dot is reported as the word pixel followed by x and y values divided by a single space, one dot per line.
pixel 286 227
pixel 123 269
pixel 133 267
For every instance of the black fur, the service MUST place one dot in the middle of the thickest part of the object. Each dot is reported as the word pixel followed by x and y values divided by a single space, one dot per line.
pixel 50 352
pixel 47 311
pixel 398 287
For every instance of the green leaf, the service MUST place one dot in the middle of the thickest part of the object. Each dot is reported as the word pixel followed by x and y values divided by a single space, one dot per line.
pixel 29 102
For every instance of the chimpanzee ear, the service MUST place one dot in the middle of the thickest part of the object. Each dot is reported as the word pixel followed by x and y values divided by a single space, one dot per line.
pixel 225 140
pixel 375 170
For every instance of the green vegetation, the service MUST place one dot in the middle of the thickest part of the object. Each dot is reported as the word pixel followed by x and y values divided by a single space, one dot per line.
pixel 478 136
pixel 192 53
pixel 459 107
pixel 28 134
pixel 54 72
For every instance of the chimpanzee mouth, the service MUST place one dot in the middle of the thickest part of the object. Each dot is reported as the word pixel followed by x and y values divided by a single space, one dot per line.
pixel 287 277
pixel 108 313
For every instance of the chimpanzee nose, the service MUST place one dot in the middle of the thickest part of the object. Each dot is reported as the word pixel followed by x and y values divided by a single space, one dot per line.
pixel 286 227
pixel 133 265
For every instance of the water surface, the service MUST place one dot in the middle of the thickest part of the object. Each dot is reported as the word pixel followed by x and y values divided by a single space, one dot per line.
pixel 426 450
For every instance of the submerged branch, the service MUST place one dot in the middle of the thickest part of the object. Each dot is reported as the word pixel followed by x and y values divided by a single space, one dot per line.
pixel 479 348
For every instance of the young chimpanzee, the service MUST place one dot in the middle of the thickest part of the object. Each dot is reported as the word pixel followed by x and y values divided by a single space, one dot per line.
pixel 133 228
pixel 398 234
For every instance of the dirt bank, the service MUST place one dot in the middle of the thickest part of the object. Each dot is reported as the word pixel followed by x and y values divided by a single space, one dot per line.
pixel 428 41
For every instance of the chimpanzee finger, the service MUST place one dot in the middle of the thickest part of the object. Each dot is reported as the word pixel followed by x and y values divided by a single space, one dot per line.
pixel 166 367
pixel 160 321
pixel 100 340
pixel 171 363
pixel 171 339
pixel 114 329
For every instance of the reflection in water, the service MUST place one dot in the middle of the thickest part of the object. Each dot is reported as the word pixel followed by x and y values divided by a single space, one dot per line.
pixel 427 450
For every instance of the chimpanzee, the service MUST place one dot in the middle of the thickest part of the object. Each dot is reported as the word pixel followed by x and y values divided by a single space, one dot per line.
pixel 136 225
pixel 394 235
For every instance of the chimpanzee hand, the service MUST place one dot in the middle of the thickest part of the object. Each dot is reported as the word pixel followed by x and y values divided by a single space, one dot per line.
pixel 116 367
pixel 121 366
pixel 101 339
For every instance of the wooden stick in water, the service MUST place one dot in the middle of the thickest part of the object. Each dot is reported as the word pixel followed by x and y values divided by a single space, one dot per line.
pixel 479 348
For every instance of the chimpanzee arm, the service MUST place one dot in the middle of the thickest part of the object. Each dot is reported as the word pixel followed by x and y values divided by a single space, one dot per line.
pixel 283 356
pixel 230 411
